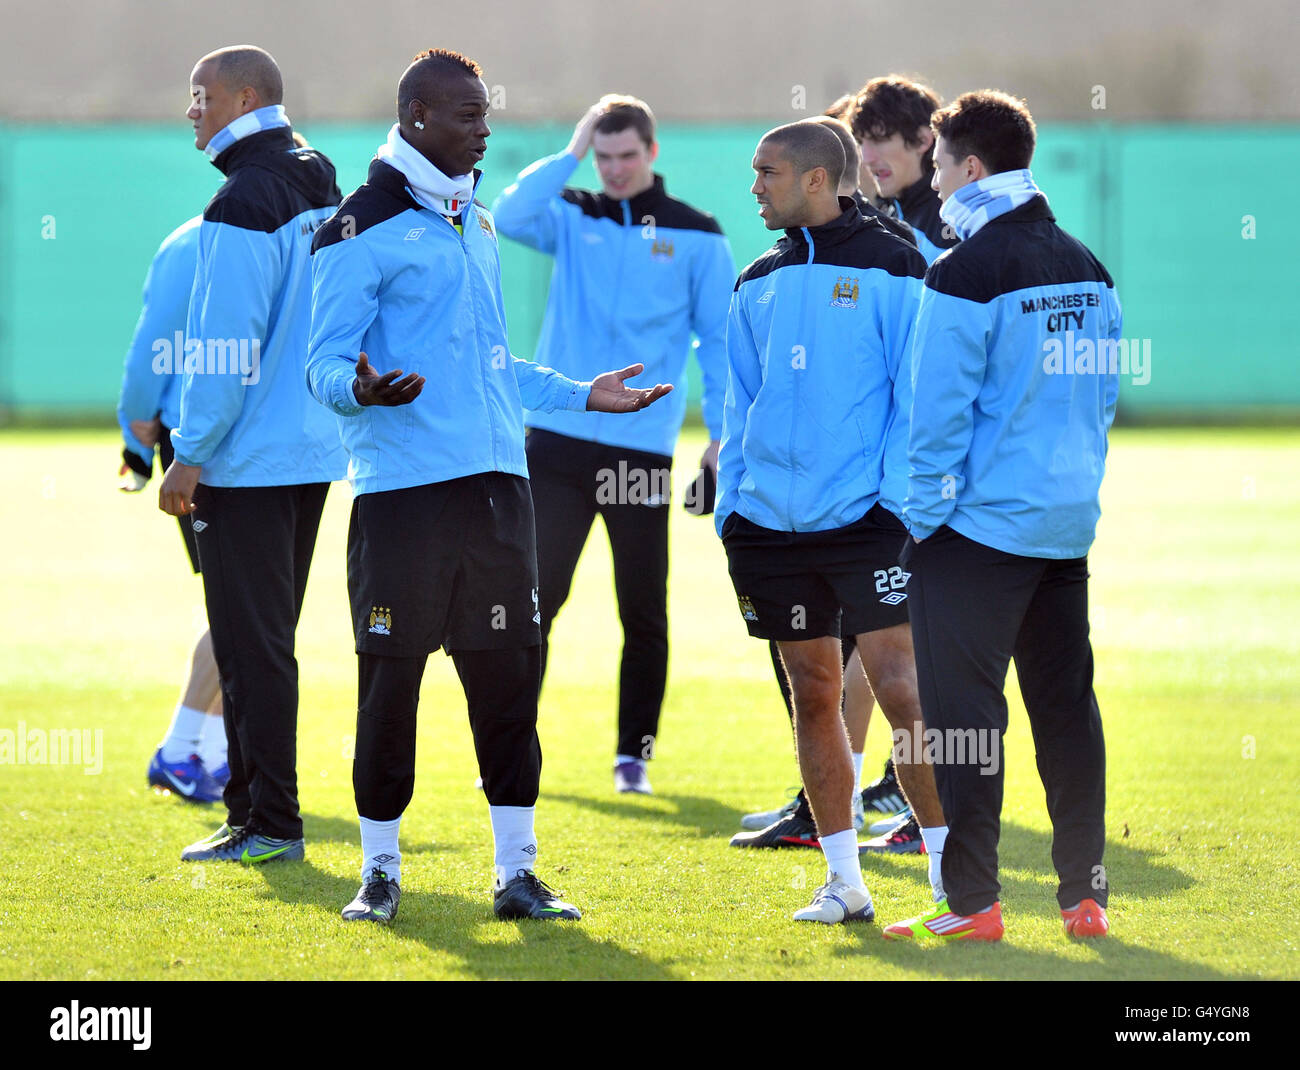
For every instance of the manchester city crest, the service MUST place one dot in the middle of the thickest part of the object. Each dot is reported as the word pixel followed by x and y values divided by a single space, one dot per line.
pixel 381 620
pixel 845 294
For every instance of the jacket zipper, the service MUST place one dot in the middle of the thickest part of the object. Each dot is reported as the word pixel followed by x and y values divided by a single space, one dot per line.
pixel 794 397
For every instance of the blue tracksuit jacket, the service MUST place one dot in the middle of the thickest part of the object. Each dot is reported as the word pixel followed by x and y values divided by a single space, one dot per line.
pixel 1014 380
pixel 397 281
pixel 147 392
pixel 818 329
pixel 246 415
pixel 633 279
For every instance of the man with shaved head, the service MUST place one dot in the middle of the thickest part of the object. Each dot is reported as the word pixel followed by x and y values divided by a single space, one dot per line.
pixel 254 454
pixel 441 549
pixel 818 329
pixel 891 654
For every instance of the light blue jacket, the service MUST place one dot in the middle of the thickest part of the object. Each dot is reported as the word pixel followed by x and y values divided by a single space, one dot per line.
pixel 246 416
pixel 818 329
pixel 633 279
pixel 1015 382
pixel 147 393
pixel 397 281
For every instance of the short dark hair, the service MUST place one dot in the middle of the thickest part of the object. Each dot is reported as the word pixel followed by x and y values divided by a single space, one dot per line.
pixel 893 105
pixel 249 67
pixel 852 154
pixel 622 112
pixel 990 124
pixel 808 145
pixel 423 78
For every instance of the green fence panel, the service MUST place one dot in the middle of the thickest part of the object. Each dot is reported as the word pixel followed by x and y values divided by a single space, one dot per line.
pixel 1201 261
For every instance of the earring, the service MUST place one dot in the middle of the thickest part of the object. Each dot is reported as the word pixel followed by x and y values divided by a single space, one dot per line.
pixel 419 125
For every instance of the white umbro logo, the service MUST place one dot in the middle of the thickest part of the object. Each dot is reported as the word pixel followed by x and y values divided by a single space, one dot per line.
pixel 893 598
pixel 767 297
pixel 199 525
pixel 414 233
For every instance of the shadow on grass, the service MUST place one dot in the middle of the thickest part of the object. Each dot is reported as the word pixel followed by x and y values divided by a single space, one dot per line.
pixel 974 961
pixel 1133 873
pixel 708 817
pixel 468 931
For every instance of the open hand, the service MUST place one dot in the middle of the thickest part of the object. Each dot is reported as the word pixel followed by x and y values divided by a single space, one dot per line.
pixel 370 388
pixel 610 394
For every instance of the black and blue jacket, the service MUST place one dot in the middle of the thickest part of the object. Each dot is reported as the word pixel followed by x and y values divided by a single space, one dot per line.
pixel 245 414
pixel 1015 380
pixel 633 280
pixel 396 280
pixel 818 329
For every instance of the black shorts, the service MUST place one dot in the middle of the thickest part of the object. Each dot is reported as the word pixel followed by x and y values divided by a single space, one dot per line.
pixel 807 584
pixel 450 564
pixel 165 457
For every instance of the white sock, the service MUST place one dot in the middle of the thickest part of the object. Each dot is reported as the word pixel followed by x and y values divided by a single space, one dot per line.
pixel 857 771
pixel 515 842
pixel 934 839
pixel 212 744
pixel 841 851
pixel 182 738
pixel 379 848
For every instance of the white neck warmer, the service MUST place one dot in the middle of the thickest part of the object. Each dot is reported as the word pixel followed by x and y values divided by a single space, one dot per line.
pixel 431 187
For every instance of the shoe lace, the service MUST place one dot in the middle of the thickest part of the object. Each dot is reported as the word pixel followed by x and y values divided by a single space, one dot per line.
pixel 536 884
pixel 375 890
pixel 239 835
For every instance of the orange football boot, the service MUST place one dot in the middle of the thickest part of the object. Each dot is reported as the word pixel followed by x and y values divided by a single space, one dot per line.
pixel 1087 919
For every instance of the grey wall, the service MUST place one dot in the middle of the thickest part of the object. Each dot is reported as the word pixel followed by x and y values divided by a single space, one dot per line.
pixel 691 59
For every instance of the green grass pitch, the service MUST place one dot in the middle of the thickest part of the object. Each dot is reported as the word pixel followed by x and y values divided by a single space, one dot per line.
pixel 1195 596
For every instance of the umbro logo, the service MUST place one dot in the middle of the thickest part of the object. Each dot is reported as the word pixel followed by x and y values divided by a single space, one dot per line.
pixel 414 233
pixel 531 849
pixel 893 598
pixel 767 297
pixel 199 525
pixel 384 859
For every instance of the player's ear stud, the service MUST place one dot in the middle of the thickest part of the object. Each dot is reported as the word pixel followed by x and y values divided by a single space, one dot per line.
pixel 419 125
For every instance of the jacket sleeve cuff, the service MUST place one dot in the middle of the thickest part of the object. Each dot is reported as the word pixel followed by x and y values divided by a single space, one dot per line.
pixel 342 399
pixel 575 398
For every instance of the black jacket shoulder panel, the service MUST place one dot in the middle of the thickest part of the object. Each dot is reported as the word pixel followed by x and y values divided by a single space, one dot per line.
pixel 651 204
pixel 850 241
pixel 595 205
pixel 678 215
pixel 783 254
pixel 382 196
pixel 1017 251
pixel 270 182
